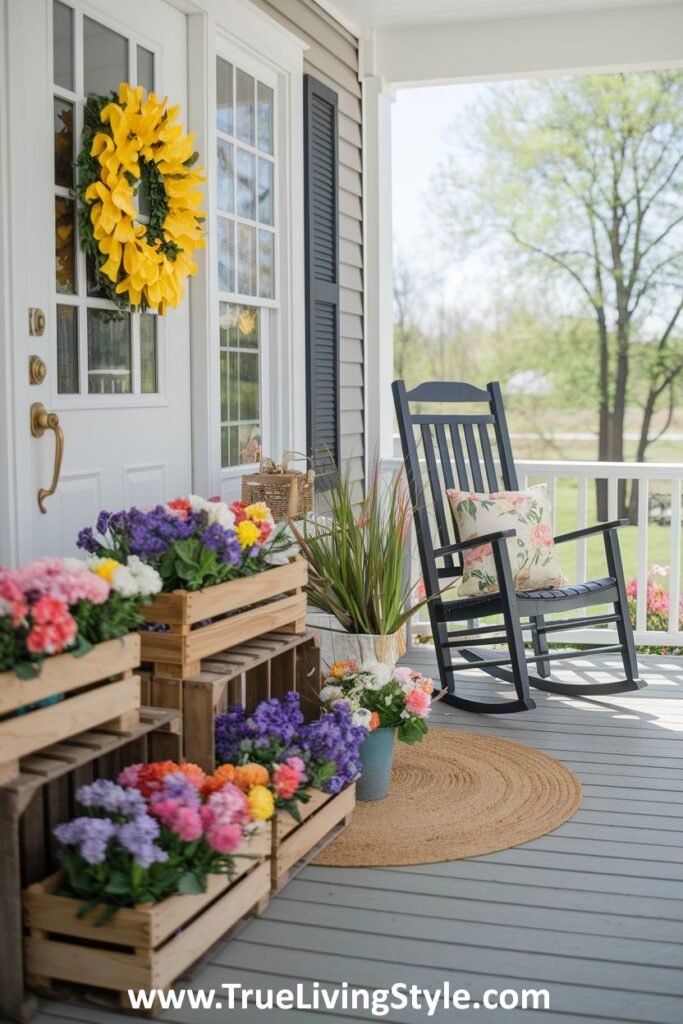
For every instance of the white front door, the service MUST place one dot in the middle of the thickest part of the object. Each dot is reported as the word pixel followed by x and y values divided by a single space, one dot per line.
pixel 118 382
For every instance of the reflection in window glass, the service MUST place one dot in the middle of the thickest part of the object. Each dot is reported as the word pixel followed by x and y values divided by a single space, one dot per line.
pixel 266 267
pixel 226 255
pixel 246 185
pixel 240 385
pixel 265 191
pixel 65 246
pixel 64 143
pixel 63 45
pixel 67 350
pixel 145 68
pixel 246 259
pixel 149 382
pixel 225 183
pixel 265 117
pixel 105 58
pixel 109 352
pixel 224 111
pixel 244 107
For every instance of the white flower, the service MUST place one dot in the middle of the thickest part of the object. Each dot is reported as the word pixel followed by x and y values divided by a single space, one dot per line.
pixel 219 512
pixel 382 673
pixel 362 717
pixel 124 583
pixel 146 577
pixel 388 700
pixel 331 692
pixel 75 564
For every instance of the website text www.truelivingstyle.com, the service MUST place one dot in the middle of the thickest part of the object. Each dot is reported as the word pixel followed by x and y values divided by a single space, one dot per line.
pixel 344 997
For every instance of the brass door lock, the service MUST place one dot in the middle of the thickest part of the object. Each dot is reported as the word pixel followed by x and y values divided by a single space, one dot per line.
pixel 36 322
pixel 37 370
pixel 42 420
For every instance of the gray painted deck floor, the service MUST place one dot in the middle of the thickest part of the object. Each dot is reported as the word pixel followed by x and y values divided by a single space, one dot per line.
pixel 593 912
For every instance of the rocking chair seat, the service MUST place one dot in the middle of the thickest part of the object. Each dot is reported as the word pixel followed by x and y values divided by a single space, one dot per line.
pixel 571 590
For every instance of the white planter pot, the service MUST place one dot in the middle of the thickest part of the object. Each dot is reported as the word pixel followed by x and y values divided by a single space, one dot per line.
pixel 336 645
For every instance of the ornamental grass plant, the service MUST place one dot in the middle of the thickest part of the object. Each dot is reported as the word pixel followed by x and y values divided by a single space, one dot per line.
pixel 356 555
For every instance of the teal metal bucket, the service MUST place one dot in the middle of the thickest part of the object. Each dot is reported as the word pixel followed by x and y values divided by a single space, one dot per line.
pixel 376 754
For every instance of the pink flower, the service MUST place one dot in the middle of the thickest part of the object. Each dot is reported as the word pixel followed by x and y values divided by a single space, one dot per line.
pixel 224 838
pixel 226 806
pixel 403 674
pixel 130 775
pixel 540 536
pixel 51 578
pixel 418 702
pixel 187 824
pixel 12 600
pixel 53 629
pixel 287 779
pixel 474 556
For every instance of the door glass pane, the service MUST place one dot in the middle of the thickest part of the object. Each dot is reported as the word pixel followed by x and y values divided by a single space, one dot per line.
pixel 226 255
pixel 105 58
pixel 266 268
pixel 226 177
pixel 240 385
pixel 64 143
pixel 109 352
pixel 249 385
pixel 65 247
pixel 265 118
pixel 245 107
pixel 246 259
pixel 224 111
pixel 67 350
pixel 63 45
pixel 145 68
pixel 149 382
pixel 265 191
pixel 246 185
pixel 246 328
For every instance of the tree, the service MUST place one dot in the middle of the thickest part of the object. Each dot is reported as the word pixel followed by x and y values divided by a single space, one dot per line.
pixel 582 179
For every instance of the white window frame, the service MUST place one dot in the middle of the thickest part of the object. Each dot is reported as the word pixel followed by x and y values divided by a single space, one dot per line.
pixel 255 42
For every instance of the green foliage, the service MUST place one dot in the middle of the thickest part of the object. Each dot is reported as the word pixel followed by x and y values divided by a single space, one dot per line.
pixel 356 555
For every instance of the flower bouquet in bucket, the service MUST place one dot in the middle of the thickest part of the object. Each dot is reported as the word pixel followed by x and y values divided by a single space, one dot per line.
pixel 388 702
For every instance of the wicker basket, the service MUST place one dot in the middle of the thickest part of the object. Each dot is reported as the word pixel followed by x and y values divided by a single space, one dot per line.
pixel 287 492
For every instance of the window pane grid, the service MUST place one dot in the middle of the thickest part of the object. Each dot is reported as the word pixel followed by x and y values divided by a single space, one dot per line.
pixel 100 350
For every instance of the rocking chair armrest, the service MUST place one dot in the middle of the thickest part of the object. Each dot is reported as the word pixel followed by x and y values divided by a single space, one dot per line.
pixel 588 531
pixel 474 542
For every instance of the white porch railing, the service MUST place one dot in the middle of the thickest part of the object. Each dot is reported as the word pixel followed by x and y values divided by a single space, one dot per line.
pixel 660 488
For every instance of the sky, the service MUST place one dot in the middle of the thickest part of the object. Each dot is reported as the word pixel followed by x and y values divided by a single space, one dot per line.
pixel 420 120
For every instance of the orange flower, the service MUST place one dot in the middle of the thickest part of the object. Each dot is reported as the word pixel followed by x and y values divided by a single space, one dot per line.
pixel 343 668
pixel 224 773
pixel 374 721
pixel 195 775
pixel 249 775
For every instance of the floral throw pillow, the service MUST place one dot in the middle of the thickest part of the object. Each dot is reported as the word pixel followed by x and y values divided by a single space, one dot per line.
pixel 532 551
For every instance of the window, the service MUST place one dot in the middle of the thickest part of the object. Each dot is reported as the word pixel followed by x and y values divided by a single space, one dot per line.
pixel 101 351
pixel 245 234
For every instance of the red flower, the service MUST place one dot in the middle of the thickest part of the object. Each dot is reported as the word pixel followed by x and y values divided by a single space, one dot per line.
pixel 181 506
pixel 53 627
pixel 237 508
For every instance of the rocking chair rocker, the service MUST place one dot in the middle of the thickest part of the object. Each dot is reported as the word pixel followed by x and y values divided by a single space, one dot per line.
pixel 458 452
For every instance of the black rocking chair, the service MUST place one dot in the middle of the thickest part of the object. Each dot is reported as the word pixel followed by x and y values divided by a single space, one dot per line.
pixel 457 451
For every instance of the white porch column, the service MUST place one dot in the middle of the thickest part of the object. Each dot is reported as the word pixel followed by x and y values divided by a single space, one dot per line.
pixel 378 259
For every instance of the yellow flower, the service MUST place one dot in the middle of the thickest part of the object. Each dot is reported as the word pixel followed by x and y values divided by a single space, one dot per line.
pixel 107 568
pixel 247 533
pixel 261 803
pixel 258 512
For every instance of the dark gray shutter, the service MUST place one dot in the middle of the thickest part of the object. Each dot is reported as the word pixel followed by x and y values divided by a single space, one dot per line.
pixel 322 274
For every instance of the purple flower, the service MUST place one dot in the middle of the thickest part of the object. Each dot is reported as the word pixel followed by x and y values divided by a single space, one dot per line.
pixel 90 835
pixel 176 786
pixel 333 740
pixel 223 542
pixel 108 796
pixel 137 837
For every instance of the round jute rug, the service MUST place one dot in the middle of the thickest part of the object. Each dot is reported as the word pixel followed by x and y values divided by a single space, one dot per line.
pixel 457 794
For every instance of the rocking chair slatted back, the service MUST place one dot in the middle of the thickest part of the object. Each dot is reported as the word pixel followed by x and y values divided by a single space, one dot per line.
pixel 459 449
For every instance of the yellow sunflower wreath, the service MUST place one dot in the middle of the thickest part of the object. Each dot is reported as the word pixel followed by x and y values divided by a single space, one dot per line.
pixel 135 147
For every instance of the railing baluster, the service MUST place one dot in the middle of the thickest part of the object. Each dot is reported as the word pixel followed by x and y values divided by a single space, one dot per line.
pixel 581 523
pixel 675 557
pixel 612 492
pixel 641 601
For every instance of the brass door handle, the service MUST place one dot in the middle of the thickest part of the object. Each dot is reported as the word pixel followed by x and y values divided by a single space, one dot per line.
pixel 42 420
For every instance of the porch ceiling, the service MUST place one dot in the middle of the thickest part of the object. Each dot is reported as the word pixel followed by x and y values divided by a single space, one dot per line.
pixel 367 14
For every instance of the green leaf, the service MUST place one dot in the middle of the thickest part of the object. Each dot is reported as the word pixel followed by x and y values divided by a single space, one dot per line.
pixel 191 885
pixel 27 670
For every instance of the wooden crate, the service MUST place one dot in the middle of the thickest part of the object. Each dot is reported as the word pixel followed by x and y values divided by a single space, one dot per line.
pixel 294 843
pixel 268 666
pixel 41 796
pixel 239 611
pixel 148 946
pixel 98 688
